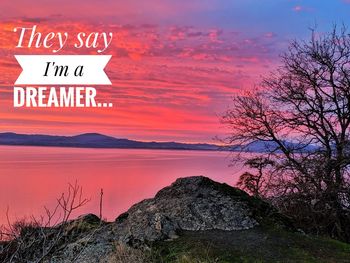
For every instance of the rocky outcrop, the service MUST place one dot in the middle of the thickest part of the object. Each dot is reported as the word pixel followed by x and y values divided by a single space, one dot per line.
pixel 192 203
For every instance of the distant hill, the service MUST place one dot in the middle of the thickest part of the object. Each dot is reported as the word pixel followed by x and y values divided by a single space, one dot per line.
pixel 96 140
pixel 268 146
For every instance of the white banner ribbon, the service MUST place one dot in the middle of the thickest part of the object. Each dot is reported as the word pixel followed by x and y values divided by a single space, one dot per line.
pixel 63 69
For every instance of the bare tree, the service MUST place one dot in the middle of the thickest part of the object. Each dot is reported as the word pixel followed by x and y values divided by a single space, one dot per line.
pixel 302 114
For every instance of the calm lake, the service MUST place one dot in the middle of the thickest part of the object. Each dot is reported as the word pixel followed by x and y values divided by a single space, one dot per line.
pixel 33 177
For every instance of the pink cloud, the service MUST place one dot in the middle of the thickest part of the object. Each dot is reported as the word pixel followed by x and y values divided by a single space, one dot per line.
pixel 298 8
pixel 269 34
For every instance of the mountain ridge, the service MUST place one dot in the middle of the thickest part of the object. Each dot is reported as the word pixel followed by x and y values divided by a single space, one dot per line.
pixel 97 140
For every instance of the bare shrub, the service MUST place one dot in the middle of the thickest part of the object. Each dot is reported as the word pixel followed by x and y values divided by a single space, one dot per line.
pixel 36 238
pixel 256 184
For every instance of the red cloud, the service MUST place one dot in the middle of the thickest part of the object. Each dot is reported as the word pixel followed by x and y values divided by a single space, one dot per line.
pixel 169 82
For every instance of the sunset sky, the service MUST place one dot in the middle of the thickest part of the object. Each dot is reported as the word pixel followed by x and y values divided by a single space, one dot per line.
pixel 175 64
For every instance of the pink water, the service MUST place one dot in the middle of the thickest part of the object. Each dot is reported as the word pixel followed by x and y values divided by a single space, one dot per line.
pixel 33 177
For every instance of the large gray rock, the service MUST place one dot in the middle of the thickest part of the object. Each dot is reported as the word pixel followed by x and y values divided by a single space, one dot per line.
pixel 192 203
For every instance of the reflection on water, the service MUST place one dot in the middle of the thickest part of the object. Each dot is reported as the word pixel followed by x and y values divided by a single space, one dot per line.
pixel 32 177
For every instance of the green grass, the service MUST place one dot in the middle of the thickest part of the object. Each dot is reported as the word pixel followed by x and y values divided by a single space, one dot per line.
pixel 256 245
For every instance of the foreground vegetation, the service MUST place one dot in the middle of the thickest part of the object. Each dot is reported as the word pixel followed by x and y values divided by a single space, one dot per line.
pixel 150 231
pixel 256 245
